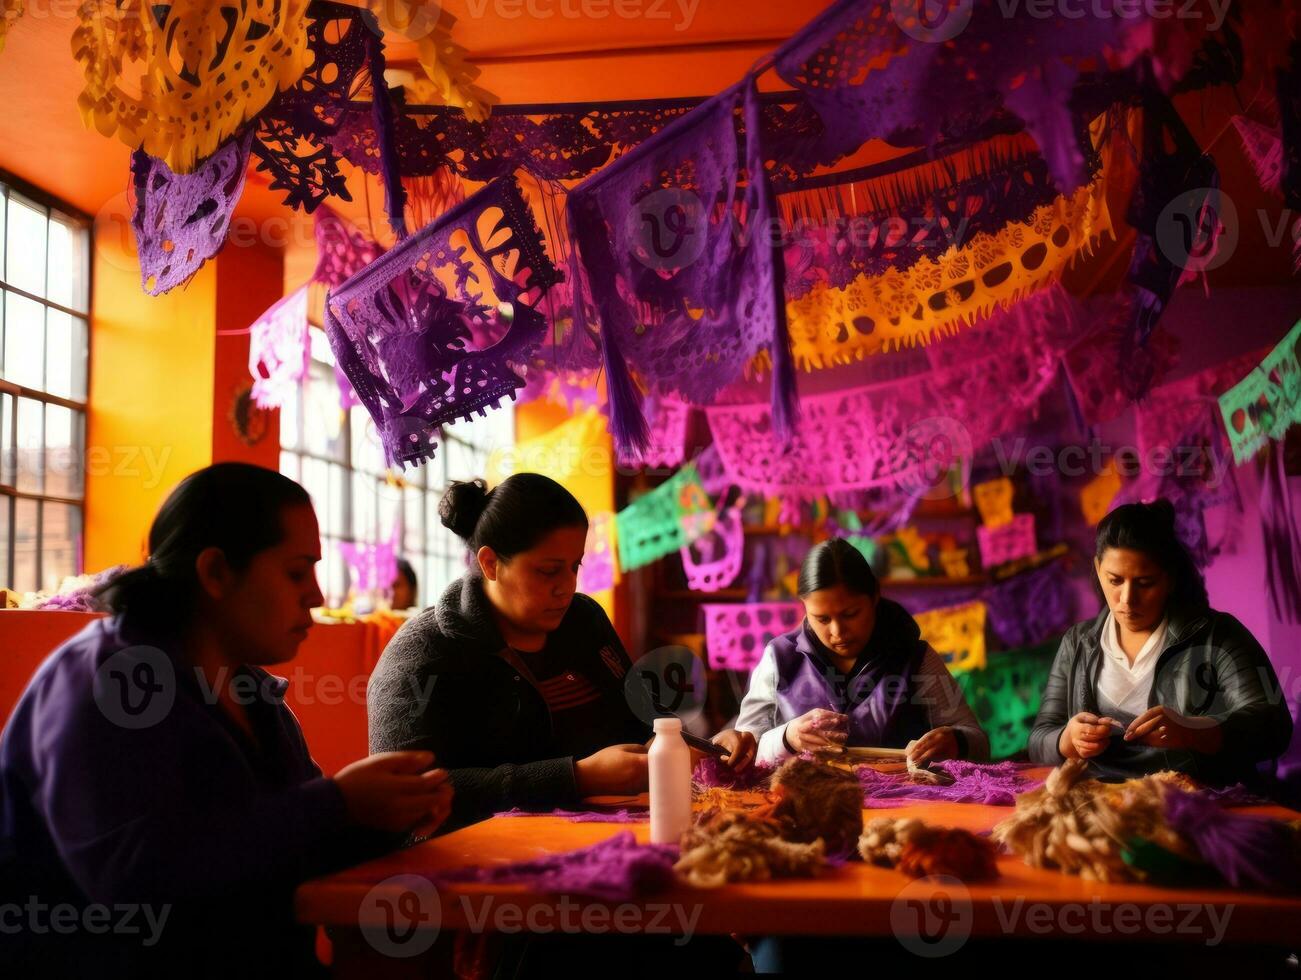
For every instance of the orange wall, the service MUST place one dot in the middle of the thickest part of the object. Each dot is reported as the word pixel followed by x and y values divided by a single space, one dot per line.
pixel 151 395
pixel 594 489
pixel 162 383
pixel 249 280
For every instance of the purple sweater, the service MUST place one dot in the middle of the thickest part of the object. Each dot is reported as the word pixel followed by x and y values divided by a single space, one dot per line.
pixel 165 802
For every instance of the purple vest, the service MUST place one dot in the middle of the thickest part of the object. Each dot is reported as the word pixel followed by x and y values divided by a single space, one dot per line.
pixel 879 699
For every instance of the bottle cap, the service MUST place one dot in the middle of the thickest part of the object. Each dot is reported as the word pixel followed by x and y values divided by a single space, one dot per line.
pixel 668 726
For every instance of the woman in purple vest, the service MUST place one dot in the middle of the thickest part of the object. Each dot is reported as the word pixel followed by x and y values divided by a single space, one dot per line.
pixel 855 673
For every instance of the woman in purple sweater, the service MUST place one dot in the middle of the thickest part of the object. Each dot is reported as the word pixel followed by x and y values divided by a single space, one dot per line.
pixel 158 803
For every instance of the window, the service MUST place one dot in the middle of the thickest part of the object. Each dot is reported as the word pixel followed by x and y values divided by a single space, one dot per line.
pixel 44 358
pixel 339 460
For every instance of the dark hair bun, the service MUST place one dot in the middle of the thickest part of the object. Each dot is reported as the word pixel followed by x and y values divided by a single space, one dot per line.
pixel 1162 510
pixel 462 506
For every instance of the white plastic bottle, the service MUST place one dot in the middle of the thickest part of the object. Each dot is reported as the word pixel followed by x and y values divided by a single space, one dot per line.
pixel 670 782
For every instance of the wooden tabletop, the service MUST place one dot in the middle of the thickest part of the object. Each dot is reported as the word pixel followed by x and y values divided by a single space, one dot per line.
pixel 855 899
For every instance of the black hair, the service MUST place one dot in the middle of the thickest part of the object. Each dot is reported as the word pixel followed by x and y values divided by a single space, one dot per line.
pixel 1150 528
pixel 232 506
pixel 512 517
pixel 408 573
pixel 837 562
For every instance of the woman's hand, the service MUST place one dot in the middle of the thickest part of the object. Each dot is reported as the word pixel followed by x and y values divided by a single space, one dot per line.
pixel 938 743
pixel 1085 736
pixel 1165 728
pixel 818 730
pixel 617 770
pixel 741 748
pixel 396 792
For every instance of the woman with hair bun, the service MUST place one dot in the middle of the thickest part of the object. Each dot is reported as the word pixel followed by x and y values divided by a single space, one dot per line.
pixel 1159 679
pixel 514 679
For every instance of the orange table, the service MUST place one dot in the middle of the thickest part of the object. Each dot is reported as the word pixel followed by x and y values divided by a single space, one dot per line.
pixel 856 899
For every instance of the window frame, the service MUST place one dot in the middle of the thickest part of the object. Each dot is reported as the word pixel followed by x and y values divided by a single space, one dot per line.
pixel 437 547
pixel 10 493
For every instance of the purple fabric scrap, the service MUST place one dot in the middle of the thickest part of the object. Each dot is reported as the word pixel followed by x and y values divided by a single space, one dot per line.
pixel 617 869
pixel 991 784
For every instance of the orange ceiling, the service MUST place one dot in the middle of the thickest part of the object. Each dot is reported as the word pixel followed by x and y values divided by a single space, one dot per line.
pixel 530 51
pixel 549 55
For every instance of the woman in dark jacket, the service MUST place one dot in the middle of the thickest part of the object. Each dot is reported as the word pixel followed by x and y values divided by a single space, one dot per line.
pixel 1159 680
pixel 513 679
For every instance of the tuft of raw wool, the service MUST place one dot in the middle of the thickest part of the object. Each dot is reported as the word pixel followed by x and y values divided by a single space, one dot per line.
pixel 917 849
pixel 732 846
pixel 817 801
pixel 1082 826
pixel 924 776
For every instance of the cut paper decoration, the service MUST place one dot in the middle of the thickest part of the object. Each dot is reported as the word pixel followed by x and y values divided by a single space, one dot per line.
pixel 279 354
pixel 957 633
pixel 1096 495
pixel 180 220
pixel 566 453
pixel 1006 693
pixel 909 547
pixel 723 552
pixel 878 224
pixel 1264 148
pixel 667 441
pixel 1031 606
pixel 879 437
pixel 657 523
pixel 1281 529
pixel 1174 415
pixel 712 473
pixel 403 329
pixel 1178 188
pixel 846 440
pixel 597 573
pixel 1107 368
pixel 954 562
pixel 373 567
pixel 1186 456
pixel 204 69
pixel 1267 402
pixel 1006 543
pixel 736 633
pixel 341 250
pixel 872 72
pixel 935 298
pixel 994 501
pixel 668 243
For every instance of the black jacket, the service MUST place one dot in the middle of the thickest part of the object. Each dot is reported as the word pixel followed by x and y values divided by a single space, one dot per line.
pixel 1211 666
pixel 442 685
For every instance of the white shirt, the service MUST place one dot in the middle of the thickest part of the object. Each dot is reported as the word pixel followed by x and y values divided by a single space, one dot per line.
pixel 1124 688
pixel 936 689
